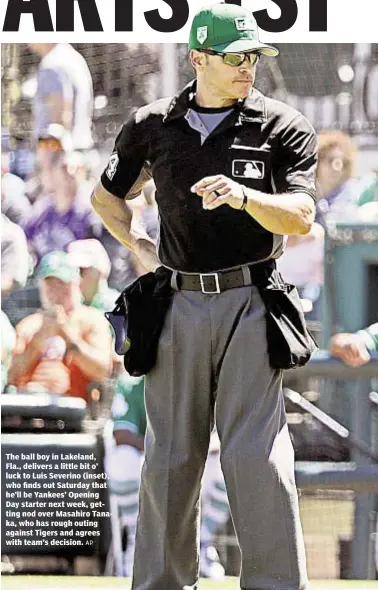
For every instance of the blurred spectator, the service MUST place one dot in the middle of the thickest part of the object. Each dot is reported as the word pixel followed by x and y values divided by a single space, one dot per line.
pixel 368 201
pixel 145 221
pixel 149 216
pixel 66 215
pixel 355 350
pixel 123 463
pixel 64 93
pixel 8 343
pixel 122 269
pixel 338 189
pixel 51 142
pixel 14 257
pixel 368 212
pixel 54 140
pixel 125 266
pixel 67 345
pixel 94 263
pixel 302 265
pixel 21 158
pixel 14 203
pixel 370 189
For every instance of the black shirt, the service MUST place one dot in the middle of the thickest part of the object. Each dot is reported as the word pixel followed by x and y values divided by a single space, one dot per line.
pixel 263 144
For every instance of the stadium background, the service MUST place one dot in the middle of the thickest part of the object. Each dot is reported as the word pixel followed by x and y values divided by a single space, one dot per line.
pixel 335 86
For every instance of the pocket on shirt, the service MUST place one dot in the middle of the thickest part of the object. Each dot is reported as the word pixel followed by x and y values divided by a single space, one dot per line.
pixel 250 166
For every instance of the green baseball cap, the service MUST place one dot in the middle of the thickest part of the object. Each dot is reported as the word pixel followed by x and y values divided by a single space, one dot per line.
pixel 227 28
pixel 59 265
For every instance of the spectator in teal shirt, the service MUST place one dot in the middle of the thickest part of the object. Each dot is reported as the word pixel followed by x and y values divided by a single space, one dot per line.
pixel 355 349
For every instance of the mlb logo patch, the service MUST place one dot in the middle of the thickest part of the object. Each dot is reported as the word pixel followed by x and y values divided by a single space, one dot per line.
pixel 112 166
pixel 248 169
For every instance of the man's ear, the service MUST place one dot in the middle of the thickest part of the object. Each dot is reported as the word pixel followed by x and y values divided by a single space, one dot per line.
pixel 197 59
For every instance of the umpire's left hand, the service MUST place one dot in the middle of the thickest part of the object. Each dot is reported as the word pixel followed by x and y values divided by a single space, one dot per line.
pixel 219 190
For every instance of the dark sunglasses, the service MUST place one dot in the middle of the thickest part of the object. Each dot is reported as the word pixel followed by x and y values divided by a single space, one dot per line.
pixel 234 59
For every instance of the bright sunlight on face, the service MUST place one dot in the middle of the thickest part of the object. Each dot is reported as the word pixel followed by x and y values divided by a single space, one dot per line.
pixel 226 81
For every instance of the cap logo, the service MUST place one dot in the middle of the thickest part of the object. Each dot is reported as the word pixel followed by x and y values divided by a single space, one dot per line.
pixel 112 166
pixel 242 24
pixel 202 34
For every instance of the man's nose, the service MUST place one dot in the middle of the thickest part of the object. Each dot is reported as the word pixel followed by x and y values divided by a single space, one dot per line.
pixel 246 67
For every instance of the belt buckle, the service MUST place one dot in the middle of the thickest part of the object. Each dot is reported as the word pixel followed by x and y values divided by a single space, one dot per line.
pixel 215 276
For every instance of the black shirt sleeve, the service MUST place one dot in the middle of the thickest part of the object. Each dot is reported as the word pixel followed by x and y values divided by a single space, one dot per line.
pixel 127 170
pixel 296 158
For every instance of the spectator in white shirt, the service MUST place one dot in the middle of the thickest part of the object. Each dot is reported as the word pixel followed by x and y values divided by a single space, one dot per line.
pixel 64 93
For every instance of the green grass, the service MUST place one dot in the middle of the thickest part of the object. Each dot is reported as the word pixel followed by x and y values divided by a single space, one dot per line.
pixel 89 583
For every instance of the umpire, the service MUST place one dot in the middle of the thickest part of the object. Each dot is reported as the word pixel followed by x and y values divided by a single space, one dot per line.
pixel 234 173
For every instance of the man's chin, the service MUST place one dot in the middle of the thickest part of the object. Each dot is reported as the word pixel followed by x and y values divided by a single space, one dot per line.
pixel 243 90
pixel 244 94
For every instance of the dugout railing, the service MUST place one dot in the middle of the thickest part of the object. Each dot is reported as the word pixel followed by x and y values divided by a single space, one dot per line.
pixel 328 484
pixel 361 473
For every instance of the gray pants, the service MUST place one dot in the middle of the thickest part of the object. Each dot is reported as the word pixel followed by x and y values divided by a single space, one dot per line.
pixel 213 349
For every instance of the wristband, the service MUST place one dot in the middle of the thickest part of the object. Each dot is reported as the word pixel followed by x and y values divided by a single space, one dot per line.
pixel 245 200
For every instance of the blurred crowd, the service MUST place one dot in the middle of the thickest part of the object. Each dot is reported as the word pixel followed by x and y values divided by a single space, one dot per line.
pixel 341 196
pixel 61 269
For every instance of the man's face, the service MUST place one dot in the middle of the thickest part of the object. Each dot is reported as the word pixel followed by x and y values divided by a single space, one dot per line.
pixel 225 81
pixel 57 292
pixel 66 181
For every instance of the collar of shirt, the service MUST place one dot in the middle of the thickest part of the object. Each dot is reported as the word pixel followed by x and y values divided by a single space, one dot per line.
pixel 205 124
pixel 249 110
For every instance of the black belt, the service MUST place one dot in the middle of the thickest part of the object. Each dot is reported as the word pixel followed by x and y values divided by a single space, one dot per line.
pixel 216 282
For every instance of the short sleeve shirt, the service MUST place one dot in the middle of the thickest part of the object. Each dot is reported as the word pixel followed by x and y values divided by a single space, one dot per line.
pixel 370 336
pixel 64 72
pixel 263 144
pixel 128 410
